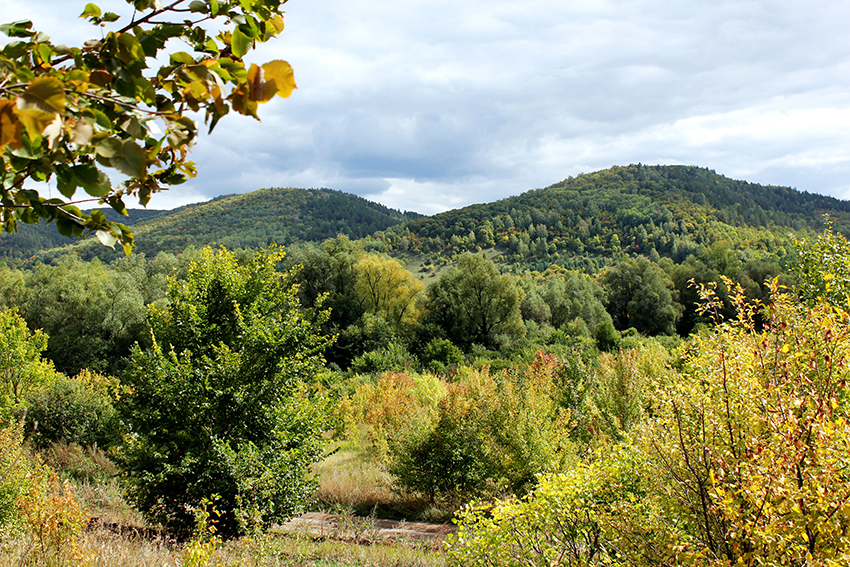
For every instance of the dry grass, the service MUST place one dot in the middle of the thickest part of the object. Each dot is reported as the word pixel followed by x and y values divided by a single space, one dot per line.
pixel 102 548
pixel 350 481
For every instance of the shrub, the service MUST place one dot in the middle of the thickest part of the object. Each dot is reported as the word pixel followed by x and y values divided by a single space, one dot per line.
pixel 18 471
pixel 75 410
pixel 221 404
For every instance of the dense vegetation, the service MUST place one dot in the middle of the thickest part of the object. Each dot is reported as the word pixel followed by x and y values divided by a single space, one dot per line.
pixel 653 412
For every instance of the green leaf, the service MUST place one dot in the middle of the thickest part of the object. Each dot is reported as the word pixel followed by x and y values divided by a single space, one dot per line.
pixel 21 28
pixel 182 57
pixel 110 17
pixel 46 94
pixel 117 205
pixel 132 159
pixel 240 43
pixel 65 181
pixel 101 188
pixel 85 174
pixel 91 11
pixel 198 7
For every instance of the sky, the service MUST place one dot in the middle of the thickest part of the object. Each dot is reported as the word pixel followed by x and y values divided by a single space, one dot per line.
pixel 434 105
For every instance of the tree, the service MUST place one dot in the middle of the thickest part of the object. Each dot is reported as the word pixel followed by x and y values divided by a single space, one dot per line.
pixel 92 313
pixel 20 355
pixel 387 289
pixel 67 114
pixel 639 296
pixel 473 303
pixel 219 405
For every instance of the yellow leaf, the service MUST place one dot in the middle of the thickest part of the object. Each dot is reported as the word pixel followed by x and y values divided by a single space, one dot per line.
pixel 46 94
pixel 279 79
pixel 35 121
pixel 10 128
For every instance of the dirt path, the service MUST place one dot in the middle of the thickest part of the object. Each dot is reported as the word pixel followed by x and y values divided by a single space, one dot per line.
pixel 366 530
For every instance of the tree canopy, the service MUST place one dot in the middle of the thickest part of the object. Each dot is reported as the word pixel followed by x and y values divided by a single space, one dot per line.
pixel 120 104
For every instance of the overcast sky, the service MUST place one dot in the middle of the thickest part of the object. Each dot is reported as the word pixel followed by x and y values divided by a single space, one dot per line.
pixel 432 105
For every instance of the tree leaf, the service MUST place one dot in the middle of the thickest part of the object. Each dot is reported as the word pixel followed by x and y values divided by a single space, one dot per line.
pixel 53 132
pixel 106 238
pixel 10 127
pixel 240 43
pixel 83 132
pixel 279 79
pixel 91 11
pixel 101 188
pixel 132 159
pixel 35 121
pixel 21 28
pixel 44 93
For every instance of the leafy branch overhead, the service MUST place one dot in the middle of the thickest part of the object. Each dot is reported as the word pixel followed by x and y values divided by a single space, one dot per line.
pixel 69 115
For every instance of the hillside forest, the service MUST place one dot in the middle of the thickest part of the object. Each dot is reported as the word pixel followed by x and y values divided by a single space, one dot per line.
pixel 640 366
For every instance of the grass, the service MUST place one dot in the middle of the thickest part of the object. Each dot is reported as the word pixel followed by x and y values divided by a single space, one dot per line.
pixel 352 482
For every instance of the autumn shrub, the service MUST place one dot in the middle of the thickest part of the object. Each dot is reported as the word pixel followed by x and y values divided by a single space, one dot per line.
pixel 493 433
pixel 54 521
pixel 741 458
pixel 385 411
pixel 19 469
pixel 568 519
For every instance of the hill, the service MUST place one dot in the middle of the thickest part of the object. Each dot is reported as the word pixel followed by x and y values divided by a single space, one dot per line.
pixel 282 216
pixel 589 221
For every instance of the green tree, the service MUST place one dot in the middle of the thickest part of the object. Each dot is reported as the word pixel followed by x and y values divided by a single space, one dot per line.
pixel 66 114
pixel 20 356
pixel 92 313
pixel 640 296
pixel 219 404
pixel 473 303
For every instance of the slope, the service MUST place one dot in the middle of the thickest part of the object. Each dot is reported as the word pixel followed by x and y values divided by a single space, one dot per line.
pixel 259 218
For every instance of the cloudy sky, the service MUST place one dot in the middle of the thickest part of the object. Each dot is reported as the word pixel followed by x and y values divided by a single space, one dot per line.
pixel 431 105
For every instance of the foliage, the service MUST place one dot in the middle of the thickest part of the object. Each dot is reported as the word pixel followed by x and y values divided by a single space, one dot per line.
pixel 639 296
pixel 386 289
pixel 75 410
pixel 204 543
pixel 220 403
pixel 740 460
pixel 20 357
pixel 569 519
pixel 92 312
pixel 823 269
pixel 473 303
pixel 18 470
pixel 68 112
pixel 54 522
pixel 490 433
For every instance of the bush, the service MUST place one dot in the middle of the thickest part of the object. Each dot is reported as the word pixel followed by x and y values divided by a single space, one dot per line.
pixel 75 410
pixel 18 472
pixel 221 404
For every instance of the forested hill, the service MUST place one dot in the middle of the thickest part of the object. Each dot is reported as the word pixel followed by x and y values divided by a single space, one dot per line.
pixel 282 216
pixel 587 222
pixel 31 239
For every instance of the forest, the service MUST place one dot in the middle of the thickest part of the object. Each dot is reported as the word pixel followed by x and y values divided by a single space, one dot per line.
pixel 654 412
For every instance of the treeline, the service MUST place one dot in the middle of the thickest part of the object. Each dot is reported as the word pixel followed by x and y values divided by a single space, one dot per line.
pixel 588 222
pixel 257 219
